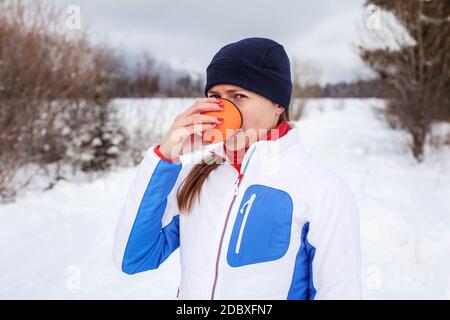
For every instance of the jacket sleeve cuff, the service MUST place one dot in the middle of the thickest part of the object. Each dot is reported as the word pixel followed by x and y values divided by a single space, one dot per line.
pixel 159 154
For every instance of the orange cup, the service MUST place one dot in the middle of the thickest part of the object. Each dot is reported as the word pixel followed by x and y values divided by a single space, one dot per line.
pixel 232 121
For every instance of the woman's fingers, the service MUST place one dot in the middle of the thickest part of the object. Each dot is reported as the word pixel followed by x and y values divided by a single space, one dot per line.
pixel 202 105
pixel 191 122
pixel 197 119
pixel 199 128
pixel 182 133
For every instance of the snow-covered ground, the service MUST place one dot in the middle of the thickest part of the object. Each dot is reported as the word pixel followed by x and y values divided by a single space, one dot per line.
pixel 57 243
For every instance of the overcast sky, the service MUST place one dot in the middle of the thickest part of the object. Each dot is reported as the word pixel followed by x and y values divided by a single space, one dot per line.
pixel 187 33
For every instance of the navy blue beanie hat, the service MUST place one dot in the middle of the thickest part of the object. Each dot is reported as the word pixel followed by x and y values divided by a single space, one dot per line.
pixel 260 65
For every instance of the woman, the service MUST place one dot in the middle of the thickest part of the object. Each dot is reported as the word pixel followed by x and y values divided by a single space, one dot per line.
pixel 259 218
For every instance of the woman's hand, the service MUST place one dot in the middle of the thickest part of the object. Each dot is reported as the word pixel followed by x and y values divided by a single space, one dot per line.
pixel 187 125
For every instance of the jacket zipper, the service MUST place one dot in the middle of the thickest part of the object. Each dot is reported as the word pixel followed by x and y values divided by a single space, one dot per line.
pixel 236 187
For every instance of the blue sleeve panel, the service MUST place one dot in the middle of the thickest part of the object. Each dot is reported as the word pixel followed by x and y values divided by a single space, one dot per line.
pixel 149 244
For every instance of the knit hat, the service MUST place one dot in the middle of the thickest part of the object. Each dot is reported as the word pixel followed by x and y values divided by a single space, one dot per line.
pixel 260 65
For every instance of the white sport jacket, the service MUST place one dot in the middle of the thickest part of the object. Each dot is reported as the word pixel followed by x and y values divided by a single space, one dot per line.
pixel 284 227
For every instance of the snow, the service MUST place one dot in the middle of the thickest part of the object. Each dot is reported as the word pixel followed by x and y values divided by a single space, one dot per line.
pixel 404 206
pixel 57 243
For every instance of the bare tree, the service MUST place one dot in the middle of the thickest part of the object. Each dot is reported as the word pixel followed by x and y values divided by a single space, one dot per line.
pixel 305 84
pixel 54 92
pixel 414 63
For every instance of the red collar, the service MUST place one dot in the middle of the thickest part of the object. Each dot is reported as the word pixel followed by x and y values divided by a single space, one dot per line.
pixel 236 156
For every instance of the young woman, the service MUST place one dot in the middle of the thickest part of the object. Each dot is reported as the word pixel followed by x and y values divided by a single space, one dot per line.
pixel 264 219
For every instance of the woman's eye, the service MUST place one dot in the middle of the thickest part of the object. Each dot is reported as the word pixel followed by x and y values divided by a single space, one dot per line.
pixel 237 96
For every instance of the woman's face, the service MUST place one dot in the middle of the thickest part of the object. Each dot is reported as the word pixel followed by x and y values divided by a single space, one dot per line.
pixel 257 111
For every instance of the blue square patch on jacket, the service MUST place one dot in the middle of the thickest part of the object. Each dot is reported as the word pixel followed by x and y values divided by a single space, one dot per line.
pixel 262 229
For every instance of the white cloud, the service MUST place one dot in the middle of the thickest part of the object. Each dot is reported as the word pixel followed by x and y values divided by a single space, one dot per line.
pixel 189 33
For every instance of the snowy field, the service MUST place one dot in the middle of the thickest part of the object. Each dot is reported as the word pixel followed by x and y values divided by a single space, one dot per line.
pixel 57 243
